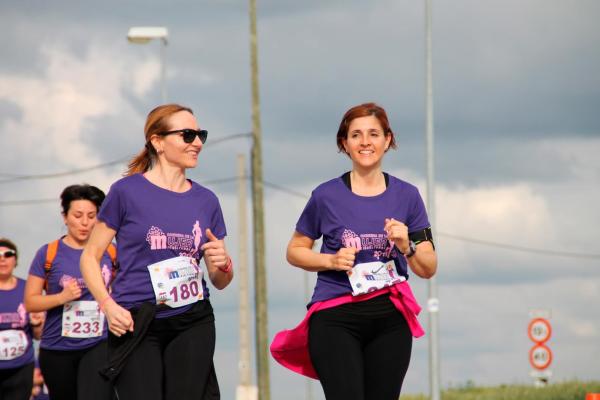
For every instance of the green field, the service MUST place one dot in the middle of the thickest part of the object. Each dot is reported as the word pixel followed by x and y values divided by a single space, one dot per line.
pixel 573 390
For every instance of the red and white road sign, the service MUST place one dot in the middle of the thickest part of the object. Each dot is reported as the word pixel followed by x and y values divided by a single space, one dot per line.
pixel 540 357
pixel 539 330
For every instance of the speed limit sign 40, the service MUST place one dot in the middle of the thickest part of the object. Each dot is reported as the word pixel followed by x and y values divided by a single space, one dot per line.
pixel 539 330
pixel 540 357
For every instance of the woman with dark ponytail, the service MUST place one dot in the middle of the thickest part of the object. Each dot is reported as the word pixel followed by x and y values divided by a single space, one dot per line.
pixel 73 345
pixel 162 332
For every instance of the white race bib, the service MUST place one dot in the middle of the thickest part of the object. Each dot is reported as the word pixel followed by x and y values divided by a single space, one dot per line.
pixel 82 319
pixel 368 277
pixel 176 282
pixel 13 344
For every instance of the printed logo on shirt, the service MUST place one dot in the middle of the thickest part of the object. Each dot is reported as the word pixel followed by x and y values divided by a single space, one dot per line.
pixel 15 319
pixel 370 241
pixel 186 244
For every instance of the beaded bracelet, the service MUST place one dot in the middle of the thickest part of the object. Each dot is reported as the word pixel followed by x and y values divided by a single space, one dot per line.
pixel 103 302
pixel 227 267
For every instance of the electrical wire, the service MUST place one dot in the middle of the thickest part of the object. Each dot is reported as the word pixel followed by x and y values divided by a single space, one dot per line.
pixel 294 193
pixel 17 178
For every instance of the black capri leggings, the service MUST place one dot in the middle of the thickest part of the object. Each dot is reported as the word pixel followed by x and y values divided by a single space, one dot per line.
pixel 16 383
pixel 174 361
pixel 360 351
pixel 72 375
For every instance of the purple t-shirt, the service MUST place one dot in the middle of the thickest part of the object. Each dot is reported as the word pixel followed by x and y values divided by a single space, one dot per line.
pixel 154 224
pixel 345 219
pixel 65 267
pixel 14 317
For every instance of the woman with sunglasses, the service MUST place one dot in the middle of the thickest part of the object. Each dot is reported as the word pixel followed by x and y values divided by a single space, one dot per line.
pixel 73 345
pixel 17 328
pixel 357 336
pixel 162 332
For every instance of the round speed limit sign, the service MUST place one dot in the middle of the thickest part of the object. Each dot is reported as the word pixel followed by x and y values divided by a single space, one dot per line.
pixel 539 330
pixel 540 356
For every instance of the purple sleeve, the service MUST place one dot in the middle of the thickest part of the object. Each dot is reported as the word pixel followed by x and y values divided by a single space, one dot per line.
pixel 37 265
pixel 111 211
pixel 218 223
pixel 417 219
pixel 309 223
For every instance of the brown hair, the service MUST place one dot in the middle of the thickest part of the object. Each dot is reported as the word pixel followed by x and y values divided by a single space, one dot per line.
pixel 4 242
pixel 364 110
pixel 156 123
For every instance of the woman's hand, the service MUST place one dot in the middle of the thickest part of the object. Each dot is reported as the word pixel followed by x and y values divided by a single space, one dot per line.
pixel 343 260
pixel 37 318
pixel 397 232
pixel 71 291
pixel 214 251
pixel 119 319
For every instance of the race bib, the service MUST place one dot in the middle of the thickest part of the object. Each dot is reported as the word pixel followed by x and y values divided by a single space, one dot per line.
pixel 82 319
pixel 368 277
pixel 13 344
pixel 176 282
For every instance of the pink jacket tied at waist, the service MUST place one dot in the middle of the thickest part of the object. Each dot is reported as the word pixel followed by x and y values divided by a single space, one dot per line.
pixel 290 347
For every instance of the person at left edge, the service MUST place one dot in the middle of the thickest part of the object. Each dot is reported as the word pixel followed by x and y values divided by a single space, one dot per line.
pixel 73 345
pixel 17 328
pixel 164 224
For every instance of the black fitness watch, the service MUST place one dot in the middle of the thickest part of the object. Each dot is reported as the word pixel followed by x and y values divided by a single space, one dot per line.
pixel 412 249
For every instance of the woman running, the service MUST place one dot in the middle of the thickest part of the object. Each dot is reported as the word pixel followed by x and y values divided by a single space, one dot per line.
pixel 357 336
pixel 162 331
pixel 73 345
pixel 17 328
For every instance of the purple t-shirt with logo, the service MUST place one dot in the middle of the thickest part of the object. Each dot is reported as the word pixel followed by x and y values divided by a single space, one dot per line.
pixel 14 317
pixel 155 224
pixel 345 219
pixel 65 267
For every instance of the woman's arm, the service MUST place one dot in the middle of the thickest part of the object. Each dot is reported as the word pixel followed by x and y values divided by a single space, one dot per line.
pixel 37 301
pixel 218 262
pixel 424 261
pixel 36 321
pixel 119 319
pixel 300 254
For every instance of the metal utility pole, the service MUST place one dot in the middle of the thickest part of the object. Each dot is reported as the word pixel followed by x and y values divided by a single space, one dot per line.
pixel 245 390
pixel 432 301
pixel 260 281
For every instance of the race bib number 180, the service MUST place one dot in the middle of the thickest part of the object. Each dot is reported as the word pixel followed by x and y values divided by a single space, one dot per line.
pixel 176 282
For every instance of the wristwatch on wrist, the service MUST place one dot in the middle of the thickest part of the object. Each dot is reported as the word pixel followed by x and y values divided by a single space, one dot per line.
pixel 412 249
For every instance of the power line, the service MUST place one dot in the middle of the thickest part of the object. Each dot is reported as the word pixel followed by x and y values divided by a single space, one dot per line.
pixel 519 248
pixel 470 239
pixel 17 178
pixel 294 193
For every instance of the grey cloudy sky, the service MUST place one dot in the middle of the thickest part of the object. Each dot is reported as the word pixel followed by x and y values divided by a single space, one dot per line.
pixel 517 93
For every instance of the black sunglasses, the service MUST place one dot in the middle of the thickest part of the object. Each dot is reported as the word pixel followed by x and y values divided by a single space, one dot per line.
pixel 189 135
pixel 8 253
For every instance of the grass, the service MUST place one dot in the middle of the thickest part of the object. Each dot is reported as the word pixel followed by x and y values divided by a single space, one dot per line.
pixel 573 390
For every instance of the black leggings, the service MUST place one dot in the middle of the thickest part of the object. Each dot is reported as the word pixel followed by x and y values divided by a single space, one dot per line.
pixel 73 374
pixel 174 361
pixel 16 383
pixel 360 351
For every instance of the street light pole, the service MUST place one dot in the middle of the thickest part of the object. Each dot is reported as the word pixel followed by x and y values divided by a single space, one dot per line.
pixel 145 34
pixel 432 301
pixel 258 219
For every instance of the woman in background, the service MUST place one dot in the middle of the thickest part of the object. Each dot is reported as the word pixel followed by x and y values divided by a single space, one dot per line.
pixel 17 329
pixel 73 345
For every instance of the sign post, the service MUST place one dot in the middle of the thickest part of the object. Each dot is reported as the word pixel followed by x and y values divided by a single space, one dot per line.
pixel 540 355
